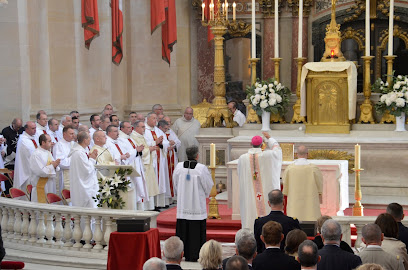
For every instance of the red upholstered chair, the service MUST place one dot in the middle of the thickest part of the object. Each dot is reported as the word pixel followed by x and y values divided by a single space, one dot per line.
pixel 53 198
pixel 17 193
pixel 66 195
pixel 4 178
pixel 12 265
pixel 29 190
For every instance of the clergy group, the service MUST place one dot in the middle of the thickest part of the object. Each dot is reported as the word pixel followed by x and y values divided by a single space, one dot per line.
pixel 49 156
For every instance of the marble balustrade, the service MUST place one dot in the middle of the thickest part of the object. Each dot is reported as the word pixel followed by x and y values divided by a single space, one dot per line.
pixel 59 229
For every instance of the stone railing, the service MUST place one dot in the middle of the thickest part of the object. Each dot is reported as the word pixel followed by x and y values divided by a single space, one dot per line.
pixel 58 234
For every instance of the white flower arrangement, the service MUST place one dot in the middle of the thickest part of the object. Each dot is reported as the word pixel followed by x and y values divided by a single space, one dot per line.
pixel 270 96
pixel 394 97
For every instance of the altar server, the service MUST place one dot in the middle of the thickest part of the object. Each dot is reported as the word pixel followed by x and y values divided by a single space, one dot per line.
pixel 84 184
pixel 25 147
pixel 43 170
pixel 147 160
pixel 155 137
pixel 303 184
pixel 192 183
pixel 258 172
pixel 61 151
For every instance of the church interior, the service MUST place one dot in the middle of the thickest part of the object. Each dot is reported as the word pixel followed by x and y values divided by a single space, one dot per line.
pixel 329 54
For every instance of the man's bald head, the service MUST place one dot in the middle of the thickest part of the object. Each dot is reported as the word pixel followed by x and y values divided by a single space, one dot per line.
pixel 99 137
pixel 30 128
pixel 17 123
pixel 302 151
pixel 188 113
pixel 83 128
pixel 372 234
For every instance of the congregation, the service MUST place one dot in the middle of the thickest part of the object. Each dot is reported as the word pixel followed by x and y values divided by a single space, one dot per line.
pixel 50 156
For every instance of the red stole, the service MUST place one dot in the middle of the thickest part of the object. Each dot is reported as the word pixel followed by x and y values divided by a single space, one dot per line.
pixel 35 144
pixel 45 132
pixel 170 165
pixel 120 151
pixel 131 142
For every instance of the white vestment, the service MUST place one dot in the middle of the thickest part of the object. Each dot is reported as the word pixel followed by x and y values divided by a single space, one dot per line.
pixel 59 131
pixel 39 168
pixel 186 130
pixel 2 149
pixel 159 163
pixel 53 135
pixel 40 130
pixel 84 183
pixel 22 172
pixel 61 151
pixel 172 159
pixel 254 193
pixel 239 117
pixel 192 194
pixel 138 183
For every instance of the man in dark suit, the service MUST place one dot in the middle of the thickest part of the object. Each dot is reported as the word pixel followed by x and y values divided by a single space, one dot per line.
pixel 308 256
pixel 333 257
pixel 173 251
pixel 273 257
pixel 276 203
pixel 237 263
pixel 245 246
pixel 395 210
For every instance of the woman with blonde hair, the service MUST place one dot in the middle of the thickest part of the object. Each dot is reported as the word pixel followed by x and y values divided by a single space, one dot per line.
pixel 210 256
pixel 370 266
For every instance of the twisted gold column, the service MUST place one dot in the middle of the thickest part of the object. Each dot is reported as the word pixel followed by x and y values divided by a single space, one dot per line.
pixel 277 68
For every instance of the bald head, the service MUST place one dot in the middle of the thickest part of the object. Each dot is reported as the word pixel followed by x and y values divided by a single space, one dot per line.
pixel 188 113
pixel 30 128
pixel 83 128
pixel 302 151
pixel 372 234
pixel 17 123
pixel 99 137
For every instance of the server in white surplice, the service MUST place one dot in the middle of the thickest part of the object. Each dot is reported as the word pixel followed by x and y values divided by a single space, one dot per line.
pixel 192 184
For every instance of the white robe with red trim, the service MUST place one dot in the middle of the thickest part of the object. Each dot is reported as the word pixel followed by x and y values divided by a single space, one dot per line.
pixel 270 163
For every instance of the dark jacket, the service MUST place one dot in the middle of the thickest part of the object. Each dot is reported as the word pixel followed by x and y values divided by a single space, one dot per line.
pixel 334 258
pixel 224 263
pixel 173 267
pixel 343 245
pixel 274 258
pixel 288 224
pixel 403 233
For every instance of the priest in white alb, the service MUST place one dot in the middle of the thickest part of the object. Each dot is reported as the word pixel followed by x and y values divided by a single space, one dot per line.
pixel 155 137
pixel 192 183
pixel 104 157
pixel 43 170
pixel 186 128
pixel 61 151
pixel 147 159
pixel 259 173
pixel 41 126
pixel 25 147
pixel 84 183
pixel 136 152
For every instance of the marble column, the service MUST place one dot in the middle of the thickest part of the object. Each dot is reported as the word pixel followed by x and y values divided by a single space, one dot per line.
pixel 295 33
pixel 205 68
pixel 268 48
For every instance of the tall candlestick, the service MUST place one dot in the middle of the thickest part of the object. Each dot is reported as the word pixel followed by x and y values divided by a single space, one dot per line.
pixel 300 31
pixel 222 8
pixel 226 10
pixel 253 36
pixel 233 11
pixel 367 29
pixel 391 29
pixel 357 158
pixel 276 30
pixel 203 8
pixel 212 155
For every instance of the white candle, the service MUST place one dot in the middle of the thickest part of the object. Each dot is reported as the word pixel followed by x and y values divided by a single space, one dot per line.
pixel 212 155
pixel 357 158
pixel 226 10
pixel 223 8
pixel 253 36
pixel 391 29
pixel 367 29
pixel 203 8
pixel 300 31
pixel 276 30
pixel 233 11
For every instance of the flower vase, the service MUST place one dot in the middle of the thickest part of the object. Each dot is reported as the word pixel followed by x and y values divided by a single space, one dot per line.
pixel 266 120
pixel 400 122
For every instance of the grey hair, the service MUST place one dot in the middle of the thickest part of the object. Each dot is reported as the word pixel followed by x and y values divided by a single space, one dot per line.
pixel 136 124
pixel 156 106
pixel 154 264
pixel 192 152
pixel 173 247
pixel 242 233
pixel 371 233
pixel 246 246
pixel 150 113
pixel 122 124
pixel 64 118
pixel 275 197
pixel 82 136
pixel 331 230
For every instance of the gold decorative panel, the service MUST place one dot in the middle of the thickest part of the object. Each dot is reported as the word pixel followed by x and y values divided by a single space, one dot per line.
pixel 219 157
pixel 200 111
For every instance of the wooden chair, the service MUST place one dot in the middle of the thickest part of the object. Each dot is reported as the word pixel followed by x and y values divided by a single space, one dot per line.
pixel 29 190
pixel 53 198
pixel 66 195
pixel 17 193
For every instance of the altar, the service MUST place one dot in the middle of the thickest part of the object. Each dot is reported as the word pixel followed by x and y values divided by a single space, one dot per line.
pixel 335 186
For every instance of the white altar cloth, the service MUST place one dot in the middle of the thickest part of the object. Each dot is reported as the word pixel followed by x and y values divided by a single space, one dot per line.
pixel 335 186
pixel 336 67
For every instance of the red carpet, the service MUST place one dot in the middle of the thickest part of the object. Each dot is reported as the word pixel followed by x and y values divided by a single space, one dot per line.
pixel 224 229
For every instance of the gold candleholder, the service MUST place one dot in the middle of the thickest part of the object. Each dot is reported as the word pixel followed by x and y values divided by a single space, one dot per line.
pixel 253 69
pixel 366 108
pixel 387 117
pixel 296 108
pixel 213 205
pixel 358 207
pixel 276 61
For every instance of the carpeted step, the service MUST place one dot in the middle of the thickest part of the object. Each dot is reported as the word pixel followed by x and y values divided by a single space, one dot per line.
pixel 219 235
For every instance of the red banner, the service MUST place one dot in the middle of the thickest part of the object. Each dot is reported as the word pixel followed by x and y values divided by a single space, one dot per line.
pixel 117 30
pixel 90 21
pixel 157 14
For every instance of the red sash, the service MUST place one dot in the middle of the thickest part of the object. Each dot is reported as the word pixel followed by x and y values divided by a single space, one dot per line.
pixel 45 132
pixel 56 139
pixel 170 165
pixel 87 155
pixel 131 142
pixel 35 144
pixel 257 185
pixel 120 151
pixel 158 156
